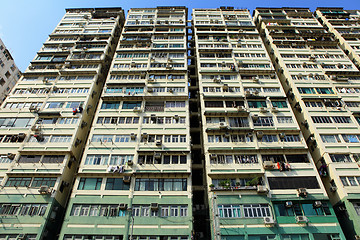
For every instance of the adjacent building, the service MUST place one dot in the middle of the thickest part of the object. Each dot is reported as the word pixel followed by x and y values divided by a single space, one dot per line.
pixel 9 73
pixel 134 179
pixel 46 118
pixel 322 85
pixel 262 181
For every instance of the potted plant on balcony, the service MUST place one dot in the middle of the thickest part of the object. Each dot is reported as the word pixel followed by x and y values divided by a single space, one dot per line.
pixel 253 183
pixel 225 184
pixel 212 186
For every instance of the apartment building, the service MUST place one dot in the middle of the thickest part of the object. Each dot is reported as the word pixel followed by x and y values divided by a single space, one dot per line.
pixel 344 24
pixel 9 73
pixel 134 179
pixel 321 83
pixel 46 118
pixel 262 181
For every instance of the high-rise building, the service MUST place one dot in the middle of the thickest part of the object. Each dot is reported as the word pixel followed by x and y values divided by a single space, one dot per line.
pixel 262 181
pixel 9 73
pixel 134 177
pixel 322 85
pixel 158 128
pixel 344 24
pixel 46 118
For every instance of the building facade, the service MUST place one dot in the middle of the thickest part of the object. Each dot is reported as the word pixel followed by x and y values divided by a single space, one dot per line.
pixel 262 181
pixel 321 83
pixel 9 73
pixel 134 179
pixel 46 118
pixel 154 127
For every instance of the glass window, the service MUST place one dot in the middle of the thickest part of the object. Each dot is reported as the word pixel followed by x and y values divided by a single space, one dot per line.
pixel 90 184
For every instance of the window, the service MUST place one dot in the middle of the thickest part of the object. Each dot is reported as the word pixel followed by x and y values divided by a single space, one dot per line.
pixel 60 138
pixel 256 104
pixel 131 105
pixel 293 182
pixel 29 209
pixel 256 210
pixel 295 237
pixel 116 184
pixel 97 210
pixel 279 104
pixel 160 184
pixel 264 122
pixel 18 182
pixel 53 159
pixel 110 105
pixel 340 158
pixel 351 138
pixel 120 159
pixel 357 207
pixel 94 159
pixel 90 184
pixel 269 138
pixel 341 119
pixel 46 181
pixel 29 159
pixel 350 181
pixel 330 138
pixel 229 211
pixel 321 119
pixel 285 120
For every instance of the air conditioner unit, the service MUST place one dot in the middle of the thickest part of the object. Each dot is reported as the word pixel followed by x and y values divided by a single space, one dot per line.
pixel 133 64
pixel 144 135
pixel 149 90
pixel 137 109
pixel 263 110
pixel 213 156
pixel 268 165
pixel 261 189
pixel 248 93
pixel 171 90
pixel 317 204
pixel 259 134
pixel 132 136
pixel 269 221
pixel 122 206
pixel 158 142
pixel 333 189
pixel 241 108
pixel 36 128
pixel 255 117
pixel 55 88
pixel 302 192
pixel 225 87
pixel 130 163
pixel 126 179
pixel 256 79
pixel 302 219
pixel 176 117
pixel 154 206
pixel 274 109
pixel 44 189
pixel 282 135
pixel 223 125
pixel 21 136
pixel 11 156
pixel 217 80
pixel 288 204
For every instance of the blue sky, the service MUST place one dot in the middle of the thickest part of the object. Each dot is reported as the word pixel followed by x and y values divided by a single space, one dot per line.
pixel 25 25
